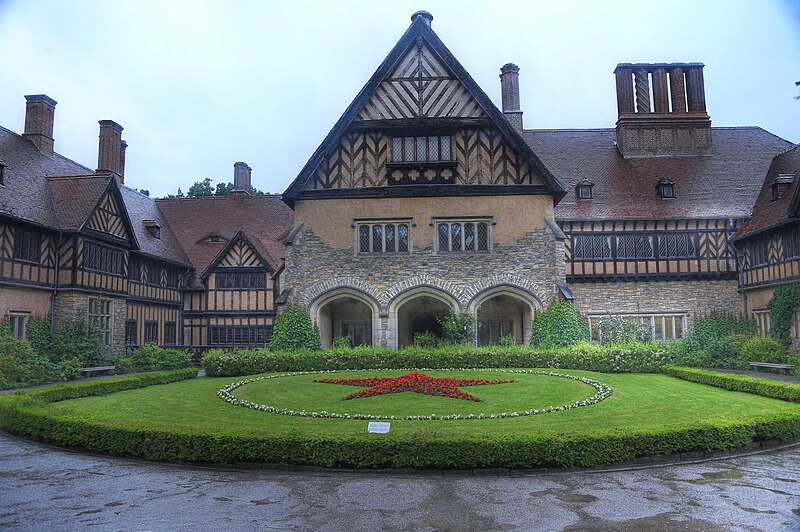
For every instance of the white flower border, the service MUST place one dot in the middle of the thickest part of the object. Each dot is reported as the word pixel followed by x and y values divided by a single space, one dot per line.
pixel 603 391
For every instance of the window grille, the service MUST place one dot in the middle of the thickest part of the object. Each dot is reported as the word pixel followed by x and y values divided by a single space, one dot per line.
pixel 151 332
pixel 241 280
pixel 101 258
pixel 135 269
pixel 791 243
pixel 664 327
pixel 238 335
pixel 100 316
pixel 421 149
pixel 635 247
pixel 27 245
pixel 382 237
pixel 462 236
pixel 677 246
pixel 153 274
pixel 758 253
pixel 591 247
pixel 170 330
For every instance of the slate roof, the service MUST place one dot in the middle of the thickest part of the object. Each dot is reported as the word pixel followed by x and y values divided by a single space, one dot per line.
pixel 140 208
pixel 264 220
pixel 420 30
pixel 768 214
pixel 26 194
pixel 723 185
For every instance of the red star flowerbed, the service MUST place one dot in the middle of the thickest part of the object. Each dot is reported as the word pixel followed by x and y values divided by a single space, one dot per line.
pixel 413 382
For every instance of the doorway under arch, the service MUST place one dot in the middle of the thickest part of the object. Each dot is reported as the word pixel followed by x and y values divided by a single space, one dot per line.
pixel 504 312
pixel 346 313
pixel 418 312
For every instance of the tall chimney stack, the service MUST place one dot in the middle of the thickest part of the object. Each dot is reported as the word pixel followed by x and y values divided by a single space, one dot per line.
pixel 110 155
pixel 662 110
pixel 40 112
pixel 509 88
pixel 241 178
pixel 426 17
pixel 122 147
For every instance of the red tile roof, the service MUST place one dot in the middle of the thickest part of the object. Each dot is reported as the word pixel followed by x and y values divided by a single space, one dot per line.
pixel 75 197
pixel 767 213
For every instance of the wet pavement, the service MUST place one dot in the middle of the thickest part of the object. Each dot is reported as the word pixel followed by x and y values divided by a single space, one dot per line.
pixel 50 489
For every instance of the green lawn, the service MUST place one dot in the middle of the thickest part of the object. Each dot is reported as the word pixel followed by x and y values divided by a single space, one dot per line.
pixel 639 402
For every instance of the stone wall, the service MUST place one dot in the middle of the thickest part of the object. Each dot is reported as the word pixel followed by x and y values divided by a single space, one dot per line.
pixel 653 297
pixel 70 304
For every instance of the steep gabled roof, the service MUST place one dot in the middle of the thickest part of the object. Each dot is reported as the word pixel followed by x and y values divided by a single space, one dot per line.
pixel 166 246
pixel 239 239
pixel 265 220
pixel 420 30
pixel 769 213
pixel 724 184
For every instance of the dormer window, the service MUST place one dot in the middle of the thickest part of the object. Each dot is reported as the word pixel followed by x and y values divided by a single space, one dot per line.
pixel 153 227
pixel 213 238
pixel 781 184
pixel 421 149
pixel 584 189
pixel 666 189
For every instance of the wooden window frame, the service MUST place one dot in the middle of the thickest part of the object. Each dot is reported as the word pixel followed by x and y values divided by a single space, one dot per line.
pixel 414 140
pixel 170 333
pixel 27 246
pixel 131 332
pixel 101 314
pixel 232 335
pixel 103 259
pixel 150 335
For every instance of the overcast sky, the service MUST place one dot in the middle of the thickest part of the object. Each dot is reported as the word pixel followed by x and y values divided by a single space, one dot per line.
pixel 199 85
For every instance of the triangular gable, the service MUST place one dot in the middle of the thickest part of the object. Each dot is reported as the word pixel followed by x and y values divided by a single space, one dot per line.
pixel 238 253
pixel 403 54
pixel 420 86
pixel 110 216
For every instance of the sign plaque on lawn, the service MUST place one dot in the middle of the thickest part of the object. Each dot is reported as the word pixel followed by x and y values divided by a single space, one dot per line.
pixel 378 428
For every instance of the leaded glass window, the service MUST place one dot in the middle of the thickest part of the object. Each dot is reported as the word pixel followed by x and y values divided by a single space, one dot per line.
pixel 458 236
pixel 421 149
pixel 27 245
pixel 635 247
pixel 677 246
pixel 591 247
pixel 382 237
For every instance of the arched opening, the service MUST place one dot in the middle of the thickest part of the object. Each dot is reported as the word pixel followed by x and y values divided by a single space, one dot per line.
pixel 504 312
pixel 418 312
pixel 346 313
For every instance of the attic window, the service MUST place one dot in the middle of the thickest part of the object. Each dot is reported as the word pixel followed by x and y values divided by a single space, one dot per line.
pixel 421 149
pixel 666 188
pixel 584 189
pixel 781 184
pixel 153 227
pixel 213 239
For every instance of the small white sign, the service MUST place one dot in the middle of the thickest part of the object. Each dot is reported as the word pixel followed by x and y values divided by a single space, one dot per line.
pixel 378 428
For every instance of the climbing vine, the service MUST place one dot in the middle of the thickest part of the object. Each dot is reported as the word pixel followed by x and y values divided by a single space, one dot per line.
pixel 781 307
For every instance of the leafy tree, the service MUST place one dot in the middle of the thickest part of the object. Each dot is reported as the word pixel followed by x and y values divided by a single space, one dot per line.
pixel 201 188
pixel 205 188
pixel 561 324
pixel 458 327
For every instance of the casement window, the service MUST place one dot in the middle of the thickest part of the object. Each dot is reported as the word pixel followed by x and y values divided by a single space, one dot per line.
pixel 664 327
pixel 135 268
pixel 758 252
pixel 635 247
pixel 764 321
pixel 238 335
pixel 153 274
pixel 173 278
pixel 791 244
pixel 101 258
pixel 131 329
pixel 170 330
pixel 677 246
pixel 421 149
pixel 463 236
pixel 241 280
pixel 19 324
pixel 151 332
pixel 101 315
pixel 27 245
pixel 591 247
pixel 383 237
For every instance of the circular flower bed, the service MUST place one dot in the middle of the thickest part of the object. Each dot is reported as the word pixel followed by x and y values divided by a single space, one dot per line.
pixel 602 391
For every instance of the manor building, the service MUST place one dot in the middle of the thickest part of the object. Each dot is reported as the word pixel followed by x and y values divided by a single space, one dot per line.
pixel 423 197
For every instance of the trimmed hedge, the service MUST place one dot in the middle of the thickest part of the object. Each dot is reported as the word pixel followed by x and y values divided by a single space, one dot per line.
pixel 619 358
pixel 739 383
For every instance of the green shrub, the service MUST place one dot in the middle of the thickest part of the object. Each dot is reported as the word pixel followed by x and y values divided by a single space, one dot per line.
pixel 426 340
pixel 342 342
pixel 458 327
pixel 622 358
pixel 763 349
pixel 738 383
pixel 620 329
pixel 714 340
pixel 77 338
pixel 561 324
pixel 20 365
pixel 150 357
pixel 294 330
pixel 507 340
pixel 781 307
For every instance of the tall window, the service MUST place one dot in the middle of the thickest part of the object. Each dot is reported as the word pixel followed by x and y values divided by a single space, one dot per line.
pixel 763 320
pixel 591 247
pixel 419 149
pixel 102 258
pixel 169 333
pixel 791 243
pixel 153 274
pixel 635 247
pixel 240 280
pixel 27 245
pixel 131 327
pixel 758 253
pixel 454 236
pixel 151 332
pixel 382 237
pixel 135 268
pixel 677 246
pixel 100 315
pixel 19 324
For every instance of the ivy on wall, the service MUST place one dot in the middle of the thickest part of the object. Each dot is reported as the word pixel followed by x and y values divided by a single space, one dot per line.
pixel 781 307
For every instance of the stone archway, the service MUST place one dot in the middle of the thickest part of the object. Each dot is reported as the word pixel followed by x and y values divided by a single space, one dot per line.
pixel 346 312
pixel 417 311
pixel 504 311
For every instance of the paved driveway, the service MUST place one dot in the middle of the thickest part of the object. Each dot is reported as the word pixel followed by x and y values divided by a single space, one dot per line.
pixel 49 489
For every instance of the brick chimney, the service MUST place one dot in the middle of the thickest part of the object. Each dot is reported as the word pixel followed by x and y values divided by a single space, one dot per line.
pixel 122 147
pixel 426 17
pixel 241 178
pixel 111 154
pixel 40 112
pixel 509 88
pixel 662 110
